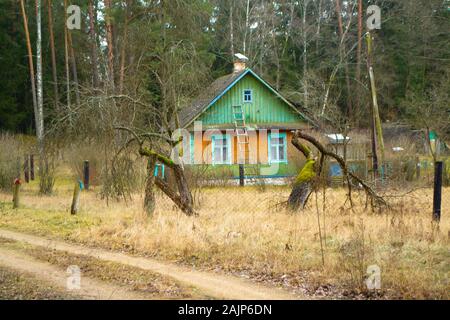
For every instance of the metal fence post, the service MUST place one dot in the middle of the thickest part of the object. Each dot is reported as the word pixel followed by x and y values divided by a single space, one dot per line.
pixel 241 175
pixel 26 169
pixel 437 196
pixel 86 174
pixel 32 167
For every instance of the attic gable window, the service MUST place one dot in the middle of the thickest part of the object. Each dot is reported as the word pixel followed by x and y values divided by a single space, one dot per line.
pixel 248 95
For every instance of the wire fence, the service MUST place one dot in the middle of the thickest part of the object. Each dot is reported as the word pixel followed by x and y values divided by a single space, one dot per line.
pixel 228 188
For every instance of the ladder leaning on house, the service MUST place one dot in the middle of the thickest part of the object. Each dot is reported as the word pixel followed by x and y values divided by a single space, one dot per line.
pixel 241 133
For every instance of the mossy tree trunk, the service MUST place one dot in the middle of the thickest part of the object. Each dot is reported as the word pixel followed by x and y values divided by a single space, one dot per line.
pixel 181 197
pixel 303 184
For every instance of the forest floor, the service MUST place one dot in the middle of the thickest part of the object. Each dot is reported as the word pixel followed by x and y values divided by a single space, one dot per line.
pixel 240 242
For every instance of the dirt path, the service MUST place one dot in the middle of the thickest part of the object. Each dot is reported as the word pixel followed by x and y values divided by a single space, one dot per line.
pixel 211 284
pixel 89 288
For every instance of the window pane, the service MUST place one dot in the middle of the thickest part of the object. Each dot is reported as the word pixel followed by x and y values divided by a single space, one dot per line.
pixel 281 152
pixel 221 149
pixel 219 142
pixel 274 152
pixel 217 154
pixel 247 95
pixel 274 141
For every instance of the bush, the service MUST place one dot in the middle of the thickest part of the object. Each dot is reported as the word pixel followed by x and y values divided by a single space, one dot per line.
pixel 10 160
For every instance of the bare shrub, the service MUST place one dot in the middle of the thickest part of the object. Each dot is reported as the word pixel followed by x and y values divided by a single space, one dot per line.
pixel 48 164
pixel 10 160
pixel 122 176
pixel 78 153
pixel 355 253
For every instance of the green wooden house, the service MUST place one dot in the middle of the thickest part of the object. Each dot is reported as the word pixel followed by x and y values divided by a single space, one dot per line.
pixel 241 119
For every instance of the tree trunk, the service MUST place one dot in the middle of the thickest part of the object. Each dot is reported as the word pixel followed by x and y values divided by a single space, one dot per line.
pixel 319 20
pixel 74 67
pixel 303 184
pixel 305 52
pixel 53 53
pixel 183 189
pixel 66 59
pixel 93 36
pixel 123 49
pixel 342 54
pixel 183 198
pixel 231 29
pixel 39 93
pixel 109 41
pixel 377 127
pixel 359 49
pixel 247 17
pixel 177 199
pixel 149 198
pixel 30 62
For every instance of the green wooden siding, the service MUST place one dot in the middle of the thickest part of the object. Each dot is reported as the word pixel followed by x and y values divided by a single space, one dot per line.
pixel 265 107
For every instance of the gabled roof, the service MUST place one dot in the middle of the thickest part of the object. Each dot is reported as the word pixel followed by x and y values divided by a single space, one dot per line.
pixel 216 90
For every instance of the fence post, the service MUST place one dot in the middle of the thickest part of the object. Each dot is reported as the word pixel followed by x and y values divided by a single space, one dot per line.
pixel 445 175
pixel 241 175
pixel 437 196
pixel 418 168
pixel 86 174
pixel 16 193
pixel 76 197
pixel 32 167
pixel 26 169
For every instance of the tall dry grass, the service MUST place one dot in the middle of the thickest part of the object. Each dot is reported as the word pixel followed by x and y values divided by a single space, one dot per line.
pixel 240 230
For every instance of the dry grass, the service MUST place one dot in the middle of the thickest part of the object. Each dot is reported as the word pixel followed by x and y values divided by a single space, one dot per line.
pixel 238 231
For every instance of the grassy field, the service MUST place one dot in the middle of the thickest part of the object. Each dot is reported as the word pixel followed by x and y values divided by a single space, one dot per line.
pixel 241 231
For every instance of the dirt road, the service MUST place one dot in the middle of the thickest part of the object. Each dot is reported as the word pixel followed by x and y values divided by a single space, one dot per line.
pixel 89 288
pixel 211 284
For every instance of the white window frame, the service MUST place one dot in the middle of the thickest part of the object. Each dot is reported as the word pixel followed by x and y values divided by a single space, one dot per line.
pixel 269 147
pixel 251 95
pixel 213 145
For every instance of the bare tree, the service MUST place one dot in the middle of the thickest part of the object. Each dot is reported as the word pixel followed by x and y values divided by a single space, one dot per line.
pixel 53 53
pixel 109 41
pixel 93 36
pixel 30 63
pixel 39 89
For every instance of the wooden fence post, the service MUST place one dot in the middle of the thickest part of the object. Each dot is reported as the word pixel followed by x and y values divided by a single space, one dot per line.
pixel 86 174
pixel 32 167
pixel 418 168
pixel 76 197
pixel 437 196
pixel 241 175
pixel 26 169
pixel 16 193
